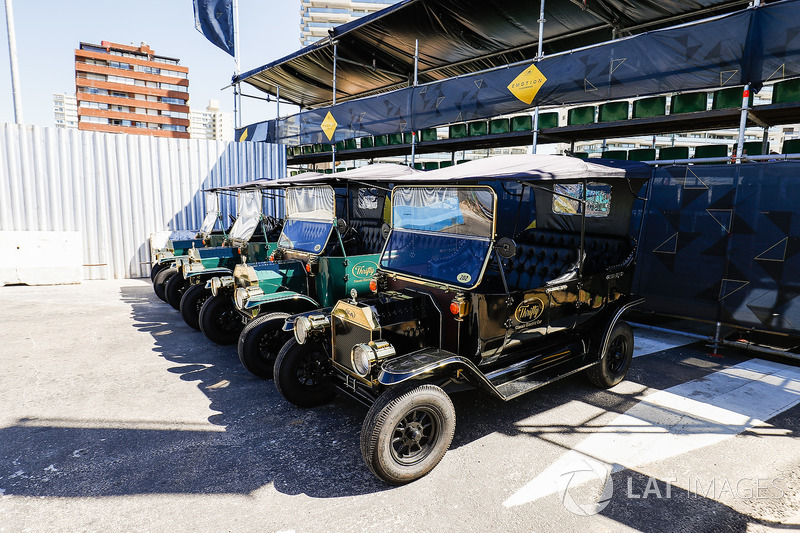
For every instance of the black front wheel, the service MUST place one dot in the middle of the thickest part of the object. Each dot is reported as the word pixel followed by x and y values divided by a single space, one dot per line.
pixel 260 342
pixel 407 432
pixel 161 279
pixel 219 320
pixel 191 303
pixel 174 289
pixel 299 373
pixel 158 267
pixel 615 362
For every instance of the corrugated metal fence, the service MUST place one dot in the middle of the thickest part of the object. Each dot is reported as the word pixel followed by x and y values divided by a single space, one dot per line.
pixel 117 189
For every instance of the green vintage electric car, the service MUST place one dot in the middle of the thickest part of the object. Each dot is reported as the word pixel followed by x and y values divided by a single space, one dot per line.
pixel 329 246
pixel 165 258
pixel 504 275
pixel 253 236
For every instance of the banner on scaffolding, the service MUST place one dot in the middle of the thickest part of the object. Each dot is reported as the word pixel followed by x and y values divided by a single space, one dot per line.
pixel 755 46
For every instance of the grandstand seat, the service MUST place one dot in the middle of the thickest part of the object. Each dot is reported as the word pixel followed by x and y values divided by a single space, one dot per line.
pixel 730 98
pixel 674 152
pixel 615 154
pixel 786 91
pixel 521 123
pixel 499 125
pixel 581 115
pixel 688 103
pixel 458 131
pixel 478 128
pixel 650 107
pixel 613 111
pixel 642 154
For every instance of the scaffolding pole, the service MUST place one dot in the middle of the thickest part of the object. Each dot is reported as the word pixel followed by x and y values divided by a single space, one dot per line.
pixel 12 53
pixel 333 148
pixel 539 56
pixel 237 90
pixel 413 131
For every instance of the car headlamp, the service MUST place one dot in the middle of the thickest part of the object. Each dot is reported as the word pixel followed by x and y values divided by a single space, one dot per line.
pixel 301 327
pixel 360 358
pixel 239 297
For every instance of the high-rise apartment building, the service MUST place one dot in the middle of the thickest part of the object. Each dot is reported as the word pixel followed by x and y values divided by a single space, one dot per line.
pixel 65 110
pixel 210 123
pixel 318 16
pixel 130 89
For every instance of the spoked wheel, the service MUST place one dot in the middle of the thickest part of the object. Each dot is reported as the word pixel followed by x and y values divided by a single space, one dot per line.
pixel 407 432
pixel 191 303
pixel 260 342
pixel 614 365
pixel 219 319
pixel 158 267
pixel 161 279
pixel 174 289
pixel 299 374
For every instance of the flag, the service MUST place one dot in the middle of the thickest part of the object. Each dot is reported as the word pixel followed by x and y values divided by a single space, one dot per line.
pixel 214 19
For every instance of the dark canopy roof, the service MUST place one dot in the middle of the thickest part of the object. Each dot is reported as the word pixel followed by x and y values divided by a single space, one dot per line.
pixel 375 52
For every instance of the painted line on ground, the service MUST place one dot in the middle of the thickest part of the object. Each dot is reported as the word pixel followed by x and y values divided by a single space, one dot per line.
pixel 647 341
pixel 675 421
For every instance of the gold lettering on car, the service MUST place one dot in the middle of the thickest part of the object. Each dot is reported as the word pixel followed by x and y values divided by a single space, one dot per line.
pixel 365 269
pixel 529 310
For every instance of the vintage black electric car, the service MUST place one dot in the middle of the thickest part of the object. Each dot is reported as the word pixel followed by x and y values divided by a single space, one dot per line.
pixel 503 274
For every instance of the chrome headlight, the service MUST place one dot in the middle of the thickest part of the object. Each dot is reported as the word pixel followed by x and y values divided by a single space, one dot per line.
pixel 301 327
pixel 219 283
pixel 240 296
pixel 360 358
pixel 216 284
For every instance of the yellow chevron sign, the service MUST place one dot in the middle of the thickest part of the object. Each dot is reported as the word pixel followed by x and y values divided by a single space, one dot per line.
pixel 527 84
pixel 329 126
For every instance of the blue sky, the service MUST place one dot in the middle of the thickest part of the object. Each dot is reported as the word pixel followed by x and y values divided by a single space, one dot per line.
pixel 48 32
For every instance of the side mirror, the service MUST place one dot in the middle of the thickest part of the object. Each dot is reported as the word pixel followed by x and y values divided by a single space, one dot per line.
pixel 341 226
pixel 506 247
pixel 385 229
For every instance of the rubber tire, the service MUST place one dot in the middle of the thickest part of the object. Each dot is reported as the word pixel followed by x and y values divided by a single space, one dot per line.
pixel 267 328
pixel 287 364
pixel 174 289
pixel 158 267
pixel 382 419
pixel 213 309
pixel 161 279
pixel 191 302
pixel 621 341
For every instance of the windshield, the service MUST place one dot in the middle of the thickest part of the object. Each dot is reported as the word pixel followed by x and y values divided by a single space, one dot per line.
pixel 311 215
pixel 212 213
pixel 442 234
pixel 248 209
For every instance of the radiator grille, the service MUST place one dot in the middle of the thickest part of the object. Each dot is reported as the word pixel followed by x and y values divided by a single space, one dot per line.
pixel 347 334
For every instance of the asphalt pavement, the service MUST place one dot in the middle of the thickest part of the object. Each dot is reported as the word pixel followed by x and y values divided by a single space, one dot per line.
pixel 116 416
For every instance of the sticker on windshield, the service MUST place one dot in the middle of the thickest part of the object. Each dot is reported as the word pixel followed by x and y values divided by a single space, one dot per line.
pixel 464 278
pixel 317 247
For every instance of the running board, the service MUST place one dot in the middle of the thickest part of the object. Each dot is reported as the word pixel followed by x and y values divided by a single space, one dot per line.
pixel 509 385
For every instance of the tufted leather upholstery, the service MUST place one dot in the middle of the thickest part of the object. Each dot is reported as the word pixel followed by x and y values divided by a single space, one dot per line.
pixel 544 255
pixel 369 234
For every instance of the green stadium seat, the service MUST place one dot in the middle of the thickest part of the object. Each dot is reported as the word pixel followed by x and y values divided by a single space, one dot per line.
pixel 711 150
pixel 431 165
pixel 615 154
pixel 499 125
pixel 581 115
pixel 458 131
pixel 521 123
pixel 350 144
pixel 674 152
pixel 478 128
pixel 419 166
pixel 381 140
pixel 327 147
pixel 308 149
pixel 754 148
pixel 462 161
pixel 613 112
pixel 650 107
pixel 427 135
pixel 445 164
pixel 339 146
pixel 407 137
pixel 367 142
pixel 548 120
pixel 395 138
pixel 688 103
pixel 318 148
pixel 786 91
pixel 328 171
pixel 791 146
pixel 581 155
pixel 642 154
pixel 730 98
pixel 341 169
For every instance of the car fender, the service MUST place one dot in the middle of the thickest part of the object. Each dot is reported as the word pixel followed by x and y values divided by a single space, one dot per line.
pixel 268 299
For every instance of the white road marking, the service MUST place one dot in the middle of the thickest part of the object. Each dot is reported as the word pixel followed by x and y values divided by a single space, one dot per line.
pixel 647 341
pixel 677 420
